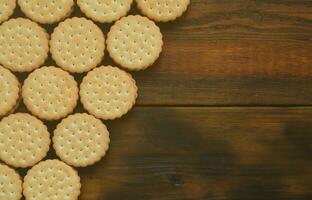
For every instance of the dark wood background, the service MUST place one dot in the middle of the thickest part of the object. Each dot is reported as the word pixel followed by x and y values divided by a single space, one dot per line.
pixel 225 113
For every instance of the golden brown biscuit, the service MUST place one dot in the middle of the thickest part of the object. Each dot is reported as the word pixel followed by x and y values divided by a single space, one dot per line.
pixel 105 10
pixel 24 45
pixel 163 10
pixel 9 91
pixel 46 12
pixel 81 140
pixel 134 42
pixel 6 9
pixel 50 93
pixel 24 140
pixel 10 184
pixel 77 45
pixel 51 180
pixel 108 92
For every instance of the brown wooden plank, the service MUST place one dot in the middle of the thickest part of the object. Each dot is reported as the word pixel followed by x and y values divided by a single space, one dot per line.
pixel 230 53
pixel 242 52
pixel 234 52
pixel 177 153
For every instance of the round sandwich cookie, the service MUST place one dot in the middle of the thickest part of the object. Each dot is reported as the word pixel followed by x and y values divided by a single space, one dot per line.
pixel 134 42
pixel 77 45
pixel 163 10
pixel 24 45
pixel 46 12
pixel 105 11
pixel 9 92
pixel 24 140
pixel 108 92
pixel 81 140
pixel 50 93
pixel 6 9
pixel 51 180
pixel 10 184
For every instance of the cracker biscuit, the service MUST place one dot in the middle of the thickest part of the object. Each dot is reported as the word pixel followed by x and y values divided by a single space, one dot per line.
pixel 163 10
pixel 108 92
pixel 81 140
pixel 16 105
pixel 10 184
pixel 51 180
pixel 77 45
pixel 9 91
pixel 24 45
pixel 134 42
pixel 6 9
pixel 24 140
pixel 105 11
pixel 46 12
pixel 50 93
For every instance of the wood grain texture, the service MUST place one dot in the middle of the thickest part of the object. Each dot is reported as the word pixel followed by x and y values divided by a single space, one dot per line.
pixel 239 52
pixel 205 153
pixel 176 145
pixel 242 52
pixel 201 153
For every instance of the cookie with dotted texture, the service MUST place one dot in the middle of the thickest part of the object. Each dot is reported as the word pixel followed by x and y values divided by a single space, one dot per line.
pixel 108 92
pixel 81 140
pixel 105 11
pixel 50 93
pixel 9 92
pixel 24 45
pixel 24 140
pixel 163 10
pixel 50 180
pixel 10 184
pixel 134 42
pixel 77 45
pixel 6 9
pixel 46 12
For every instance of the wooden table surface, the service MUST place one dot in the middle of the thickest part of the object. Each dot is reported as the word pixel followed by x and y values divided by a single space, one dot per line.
pixel 225 113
